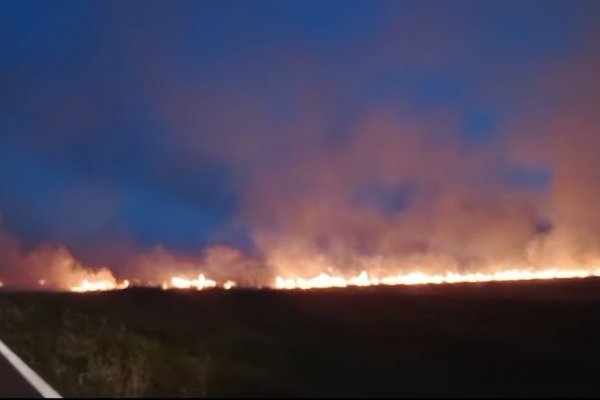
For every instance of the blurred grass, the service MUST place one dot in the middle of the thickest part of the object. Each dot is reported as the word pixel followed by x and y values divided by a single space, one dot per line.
pixel 85 354
pixel 509 339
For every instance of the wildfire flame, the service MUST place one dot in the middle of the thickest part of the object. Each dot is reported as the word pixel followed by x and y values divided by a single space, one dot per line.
pixel 324 280
pixel 183 283
pixel 88 285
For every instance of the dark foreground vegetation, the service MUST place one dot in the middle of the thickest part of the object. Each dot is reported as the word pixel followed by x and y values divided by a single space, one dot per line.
pixel 510 339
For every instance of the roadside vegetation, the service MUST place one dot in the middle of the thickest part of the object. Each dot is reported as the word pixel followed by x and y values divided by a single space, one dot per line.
pixel 86 354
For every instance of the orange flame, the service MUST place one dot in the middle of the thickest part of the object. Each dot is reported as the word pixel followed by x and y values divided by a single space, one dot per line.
pixel 88 285
pixel 324 280
pixel 201 283
pixel 178 282
pixel 95 284
pixel 229 285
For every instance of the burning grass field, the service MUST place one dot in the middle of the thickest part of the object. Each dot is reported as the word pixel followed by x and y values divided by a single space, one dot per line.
pixel 501 338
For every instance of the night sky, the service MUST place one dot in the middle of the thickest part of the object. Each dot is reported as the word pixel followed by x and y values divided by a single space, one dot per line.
pixel 332 126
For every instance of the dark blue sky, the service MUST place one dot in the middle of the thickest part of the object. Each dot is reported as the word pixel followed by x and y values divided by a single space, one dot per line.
pixel 146 121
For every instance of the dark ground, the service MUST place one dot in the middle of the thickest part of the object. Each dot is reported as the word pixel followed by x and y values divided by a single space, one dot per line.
pixel 12 384
pixel 500 339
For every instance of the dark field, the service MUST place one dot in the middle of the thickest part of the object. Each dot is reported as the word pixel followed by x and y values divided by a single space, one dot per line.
pixel 509 339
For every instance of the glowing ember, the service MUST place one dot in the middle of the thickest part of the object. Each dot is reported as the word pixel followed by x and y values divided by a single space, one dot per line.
pixel 88 285
pixel 201 283
pixel 419 278
pixel 228 285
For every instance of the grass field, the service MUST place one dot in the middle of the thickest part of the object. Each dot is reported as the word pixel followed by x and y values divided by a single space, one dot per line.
pixel 510 339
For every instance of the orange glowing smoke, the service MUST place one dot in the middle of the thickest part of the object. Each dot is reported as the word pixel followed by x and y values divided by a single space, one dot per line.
pixel 419 278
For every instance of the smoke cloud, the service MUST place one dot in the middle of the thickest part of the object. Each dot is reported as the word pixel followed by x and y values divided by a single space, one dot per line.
pixel 429 136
